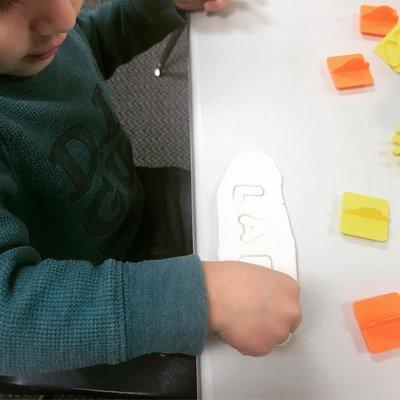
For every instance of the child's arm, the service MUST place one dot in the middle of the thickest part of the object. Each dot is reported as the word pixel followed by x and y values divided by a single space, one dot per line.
pixel 121 29
pixel 64 314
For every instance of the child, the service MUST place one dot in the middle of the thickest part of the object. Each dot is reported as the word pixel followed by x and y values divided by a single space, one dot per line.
pixel 71 207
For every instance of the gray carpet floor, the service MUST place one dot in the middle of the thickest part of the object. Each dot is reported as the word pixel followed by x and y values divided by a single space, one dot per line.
pixel 153 111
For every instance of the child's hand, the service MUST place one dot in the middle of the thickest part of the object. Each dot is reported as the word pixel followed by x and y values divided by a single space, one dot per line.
pixel 206 5
pixel 251 308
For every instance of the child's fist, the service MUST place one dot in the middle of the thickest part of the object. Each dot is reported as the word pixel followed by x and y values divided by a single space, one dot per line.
pixel 251 308
pixel 206 5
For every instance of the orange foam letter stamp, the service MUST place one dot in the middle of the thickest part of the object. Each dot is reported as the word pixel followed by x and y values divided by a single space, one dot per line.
pixel 350 71
pixel 377 21
pixel 379 321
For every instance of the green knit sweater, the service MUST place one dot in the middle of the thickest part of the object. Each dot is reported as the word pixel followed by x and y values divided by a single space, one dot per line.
pixel 70 207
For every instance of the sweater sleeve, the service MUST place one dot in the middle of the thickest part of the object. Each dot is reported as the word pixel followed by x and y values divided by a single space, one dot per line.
pixel 64 314
pixel 121 29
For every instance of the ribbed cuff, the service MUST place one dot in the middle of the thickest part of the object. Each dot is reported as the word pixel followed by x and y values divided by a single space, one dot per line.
pixel 166 307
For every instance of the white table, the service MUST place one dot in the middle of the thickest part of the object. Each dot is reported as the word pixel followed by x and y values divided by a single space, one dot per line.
pixel 260 82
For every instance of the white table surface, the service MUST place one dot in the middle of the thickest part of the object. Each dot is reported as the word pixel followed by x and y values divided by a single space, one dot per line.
pixel 260 82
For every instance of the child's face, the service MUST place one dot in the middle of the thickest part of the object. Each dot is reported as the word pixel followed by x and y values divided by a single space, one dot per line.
pixel 31 32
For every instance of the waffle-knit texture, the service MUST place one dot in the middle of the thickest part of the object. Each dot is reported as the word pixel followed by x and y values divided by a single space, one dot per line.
pixel 70 208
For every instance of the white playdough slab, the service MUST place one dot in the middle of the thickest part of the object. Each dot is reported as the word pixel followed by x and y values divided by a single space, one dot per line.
pixel 253 221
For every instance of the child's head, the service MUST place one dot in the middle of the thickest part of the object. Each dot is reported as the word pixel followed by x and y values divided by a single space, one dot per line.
pixel 30 31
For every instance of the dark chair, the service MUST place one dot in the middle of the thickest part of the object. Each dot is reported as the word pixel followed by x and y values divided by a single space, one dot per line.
pixel 152 376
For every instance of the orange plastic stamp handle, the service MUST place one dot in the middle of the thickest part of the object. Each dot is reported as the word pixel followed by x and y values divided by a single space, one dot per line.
pixel 379 321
